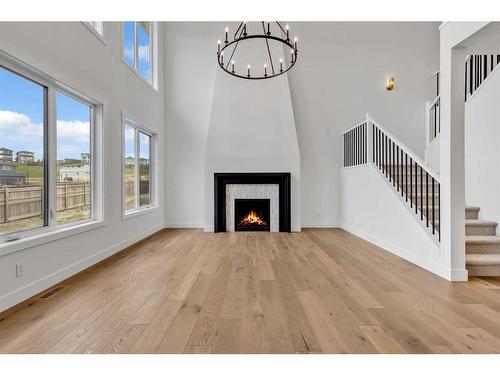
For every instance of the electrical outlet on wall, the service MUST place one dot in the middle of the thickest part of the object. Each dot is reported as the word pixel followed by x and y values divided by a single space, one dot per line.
pixel 19 270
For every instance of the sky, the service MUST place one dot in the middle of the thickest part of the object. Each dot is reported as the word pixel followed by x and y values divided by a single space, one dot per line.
pixel 21 119
pixel 144 143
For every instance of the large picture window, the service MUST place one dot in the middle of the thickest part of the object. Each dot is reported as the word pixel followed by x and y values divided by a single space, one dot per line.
pixel 137 168
pixel 22 153
pixel 138 48
pixel 47 153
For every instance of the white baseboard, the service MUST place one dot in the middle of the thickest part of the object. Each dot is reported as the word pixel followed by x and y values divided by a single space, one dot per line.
pixel 27 291
pixel 424 263
pixel 459 275
pixel 320 224
pixel 183 225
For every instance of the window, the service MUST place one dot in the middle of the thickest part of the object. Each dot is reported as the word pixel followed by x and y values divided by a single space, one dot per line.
pixel 144 169
pixel 23 171
pixel 74 174
pixel 47 153
pixel 138 48
pixel 97 26
pixel 137 171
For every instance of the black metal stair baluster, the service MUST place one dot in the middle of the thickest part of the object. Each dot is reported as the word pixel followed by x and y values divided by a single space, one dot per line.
pixel 386 158
pixel 401 167
pixel 390 161
pixel 373 145
pixel 348 150
pixel 470 75
pixel 393 162
pixel 357 146
pixel 433 208
pixel 465 86
pixel 379 150
pixel 411 182
pixel 421 194
pixel 406 177
pixel 439 211
pixel 354 146
pixel 397 168
pixel 427 197
pixel 485 69
pixel 351 149
pixel 365 146
pixel 345 151
pixel 416 185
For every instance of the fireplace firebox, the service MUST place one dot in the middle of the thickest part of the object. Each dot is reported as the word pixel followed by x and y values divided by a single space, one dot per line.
pixel 252 215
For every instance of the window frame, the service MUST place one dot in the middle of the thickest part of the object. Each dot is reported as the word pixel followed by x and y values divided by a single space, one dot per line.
pixel 98 34
pixel 51 230
pixel 153 50
pixel 153 202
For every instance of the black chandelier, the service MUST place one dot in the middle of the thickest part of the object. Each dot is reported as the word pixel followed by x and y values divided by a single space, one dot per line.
pixel 241 35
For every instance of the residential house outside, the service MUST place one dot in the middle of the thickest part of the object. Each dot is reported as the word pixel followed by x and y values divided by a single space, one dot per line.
pixel 5 154
pixel 25 157
pixel 9 175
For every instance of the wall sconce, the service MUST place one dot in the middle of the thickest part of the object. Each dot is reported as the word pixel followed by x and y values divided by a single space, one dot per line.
pixel 389 84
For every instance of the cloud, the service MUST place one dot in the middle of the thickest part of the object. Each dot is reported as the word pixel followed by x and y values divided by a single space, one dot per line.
pixel 18 132
pixel 143 54
pixel 129 53
pixel 77 131
pixel 18 124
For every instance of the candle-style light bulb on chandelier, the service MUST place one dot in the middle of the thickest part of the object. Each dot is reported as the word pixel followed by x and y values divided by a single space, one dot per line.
pixel 267 31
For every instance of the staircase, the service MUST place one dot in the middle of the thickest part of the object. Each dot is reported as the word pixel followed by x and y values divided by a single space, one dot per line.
pixel 418 187
pixel 482 245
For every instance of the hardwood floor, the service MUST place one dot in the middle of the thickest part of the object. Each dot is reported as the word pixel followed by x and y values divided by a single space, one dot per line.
pixel 319 291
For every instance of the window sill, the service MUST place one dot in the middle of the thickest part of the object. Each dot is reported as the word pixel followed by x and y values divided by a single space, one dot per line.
pixel 95 32
pixel 138 212
pixel 149 84
pixel 46 235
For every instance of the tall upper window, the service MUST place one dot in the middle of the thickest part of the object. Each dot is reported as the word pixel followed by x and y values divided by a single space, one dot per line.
pixel 22 154
pixel 40 118
pixel 137 171
pixel 138 47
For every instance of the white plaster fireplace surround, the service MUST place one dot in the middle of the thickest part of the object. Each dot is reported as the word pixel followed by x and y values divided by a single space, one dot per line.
pixel 251 130
pixel 253 191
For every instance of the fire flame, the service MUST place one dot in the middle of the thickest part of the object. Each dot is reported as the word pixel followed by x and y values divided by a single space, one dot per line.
pixel 252 218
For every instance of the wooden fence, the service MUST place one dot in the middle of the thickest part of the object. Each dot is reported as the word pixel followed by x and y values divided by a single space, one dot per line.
pixel 23 202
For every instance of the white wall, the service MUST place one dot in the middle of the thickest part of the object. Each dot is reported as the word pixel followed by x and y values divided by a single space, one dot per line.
pixel 189 83
pixel 340 75
pixel 70 53
pixel 482 142
pixel 378 215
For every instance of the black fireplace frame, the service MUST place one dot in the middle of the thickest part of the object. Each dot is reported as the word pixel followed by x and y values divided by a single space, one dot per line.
pixel 282 179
